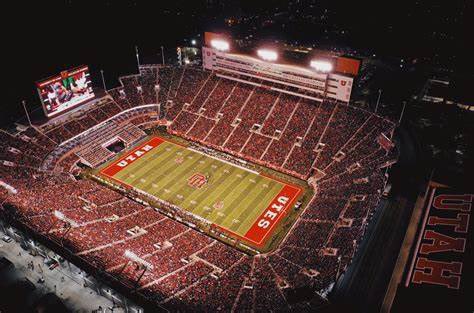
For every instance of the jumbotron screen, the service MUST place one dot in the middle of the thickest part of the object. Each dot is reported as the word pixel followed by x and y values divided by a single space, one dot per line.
pixel 65 91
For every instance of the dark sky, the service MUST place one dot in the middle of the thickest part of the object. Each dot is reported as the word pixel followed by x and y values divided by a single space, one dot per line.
pixel 47 36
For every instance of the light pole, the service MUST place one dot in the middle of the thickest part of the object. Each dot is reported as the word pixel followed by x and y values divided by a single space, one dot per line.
pixel 23 102
pixel 103 80
pixel 163 55
pixel 403 111
pixel 378 101
pixel 138 58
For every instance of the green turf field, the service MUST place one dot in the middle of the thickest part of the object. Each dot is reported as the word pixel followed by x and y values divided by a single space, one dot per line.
pixel 224 194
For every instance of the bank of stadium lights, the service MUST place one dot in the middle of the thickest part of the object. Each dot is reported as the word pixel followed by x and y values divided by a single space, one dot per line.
pixel 321 66
pixel 220 45
pixel 267 55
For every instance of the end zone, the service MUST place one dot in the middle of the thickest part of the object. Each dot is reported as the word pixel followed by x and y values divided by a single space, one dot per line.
pixel 270 217
pixel 131 157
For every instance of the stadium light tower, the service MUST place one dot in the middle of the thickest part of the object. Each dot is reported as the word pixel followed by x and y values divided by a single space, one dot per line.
pixel 401 113
pixel 103 79
pixel 378 101
pixel 220 45
pixel 267 55
pixel 163 55
pixel 321 66
pixel 23 102
pixel 138 58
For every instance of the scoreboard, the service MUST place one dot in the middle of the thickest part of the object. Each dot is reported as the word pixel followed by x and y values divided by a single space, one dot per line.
pixel 65 91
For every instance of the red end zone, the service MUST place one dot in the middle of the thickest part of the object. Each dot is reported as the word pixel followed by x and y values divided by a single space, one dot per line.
pixel 131 157
pixel 272 214
pixel 266 222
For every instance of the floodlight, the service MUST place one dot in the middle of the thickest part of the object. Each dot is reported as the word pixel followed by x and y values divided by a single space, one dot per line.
pixel 267 55
pixel 220 45
pixel 321 66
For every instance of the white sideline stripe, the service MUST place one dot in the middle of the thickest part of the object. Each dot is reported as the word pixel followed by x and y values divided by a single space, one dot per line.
pixel 213 157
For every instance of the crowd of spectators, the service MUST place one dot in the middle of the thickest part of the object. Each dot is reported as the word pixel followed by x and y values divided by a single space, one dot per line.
pixel 131 89
pixel 148 82
pixel 185 269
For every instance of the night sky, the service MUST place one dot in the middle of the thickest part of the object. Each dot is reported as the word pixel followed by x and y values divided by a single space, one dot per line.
pixel 50 36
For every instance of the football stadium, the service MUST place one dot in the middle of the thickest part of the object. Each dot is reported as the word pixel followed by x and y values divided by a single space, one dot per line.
pixel 221 187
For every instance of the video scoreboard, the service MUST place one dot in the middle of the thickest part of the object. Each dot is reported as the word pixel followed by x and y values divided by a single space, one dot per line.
pixel 65 91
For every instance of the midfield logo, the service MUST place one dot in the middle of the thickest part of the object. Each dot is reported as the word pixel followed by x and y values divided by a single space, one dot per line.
pixel 197 180
pixel 218 205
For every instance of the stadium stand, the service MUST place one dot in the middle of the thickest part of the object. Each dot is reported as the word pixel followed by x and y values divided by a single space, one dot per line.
pixel 330 143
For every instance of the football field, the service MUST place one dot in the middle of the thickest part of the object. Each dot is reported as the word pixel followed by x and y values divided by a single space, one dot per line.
pixel 242 202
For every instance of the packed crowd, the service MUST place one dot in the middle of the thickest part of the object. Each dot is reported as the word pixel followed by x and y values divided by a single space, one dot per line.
pixel 148 81
pixel 181 268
